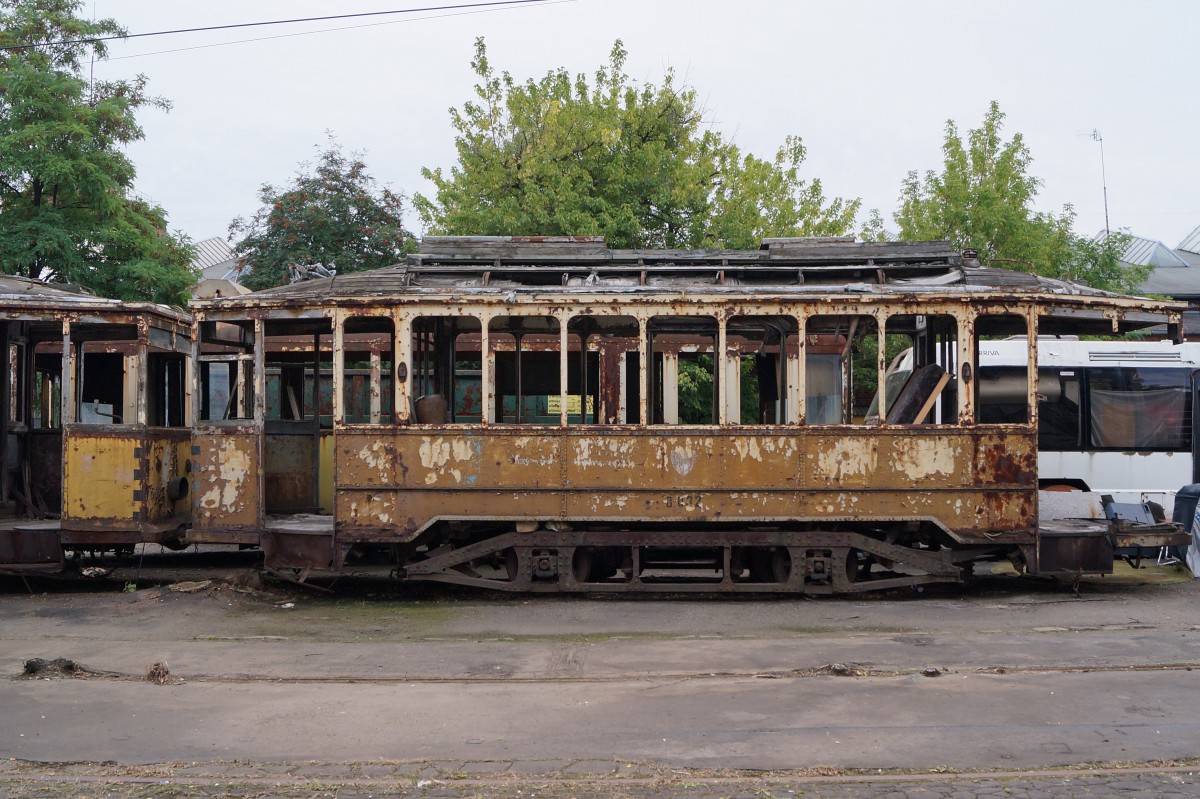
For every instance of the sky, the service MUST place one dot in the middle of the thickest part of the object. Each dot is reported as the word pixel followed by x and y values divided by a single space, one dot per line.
pixel 867 84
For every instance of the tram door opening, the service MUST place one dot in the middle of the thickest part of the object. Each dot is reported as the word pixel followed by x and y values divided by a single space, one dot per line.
pixel 298 428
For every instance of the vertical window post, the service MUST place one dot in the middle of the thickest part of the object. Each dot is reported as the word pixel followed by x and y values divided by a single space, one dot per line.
pixel 339 365
pixel 487 382
pixel 643 371
pixel 563 356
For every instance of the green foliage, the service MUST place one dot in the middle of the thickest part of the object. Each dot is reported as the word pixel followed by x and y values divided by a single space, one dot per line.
pixel 635 164
pixel 332 214
pixel 983 200
pixel 696 390
pixel 65 210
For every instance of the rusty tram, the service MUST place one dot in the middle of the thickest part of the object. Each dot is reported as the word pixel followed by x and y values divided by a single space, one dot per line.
pixel 95 428
pixel 554 415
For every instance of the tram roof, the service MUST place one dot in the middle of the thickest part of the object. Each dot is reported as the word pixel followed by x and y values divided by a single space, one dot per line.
pixel 22 298
pixel 483 265
pixel 509 269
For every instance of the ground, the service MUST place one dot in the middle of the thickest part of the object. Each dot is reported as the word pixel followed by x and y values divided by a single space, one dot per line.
pixel 203 680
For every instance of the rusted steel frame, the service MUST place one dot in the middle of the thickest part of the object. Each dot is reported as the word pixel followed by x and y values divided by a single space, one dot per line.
pixel 721 371
pixel 259 377
pixel 644 353
pixel 1031 400
pixel 403 370
pixel 938 566
pixel 69 399
pixel 5 411
pixel 192 411
pixel 141 386
pixel 1158 537
pixel 487 377
pixel 339 367
pixel 563 355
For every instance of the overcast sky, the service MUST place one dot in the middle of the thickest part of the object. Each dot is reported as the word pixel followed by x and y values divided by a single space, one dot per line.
pixel 867 84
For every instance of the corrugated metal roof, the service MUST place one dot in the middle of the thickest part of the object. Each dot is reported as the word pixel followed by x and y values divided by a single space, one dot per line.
pixel 211 252
pixel 1191 242
pixel 1149 252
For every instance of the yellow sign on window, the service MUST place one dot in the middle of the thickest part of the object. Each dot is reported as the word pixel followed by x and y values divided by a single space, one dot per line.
pixel 554 404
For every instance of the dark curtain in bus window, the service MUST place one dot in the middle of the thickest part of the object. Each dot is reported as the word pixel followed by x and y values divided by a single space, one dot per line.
pixel 1141 409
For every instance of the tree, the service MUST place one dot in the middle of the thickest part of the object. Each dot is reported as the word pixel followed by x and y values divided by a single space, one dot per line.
pixel 66 213
pixel 635 164
pixel 983 200
pixel 331 214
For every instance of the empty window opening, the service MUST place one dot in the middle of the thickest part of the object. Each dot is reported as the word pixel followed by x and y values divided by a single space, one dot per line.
pixel 684 385
pixel 527 369
pixel 603 367
pixel 446 374
pixel 760 348
pixel 841 370
pixel 920 382
pixel 226 371
pixel 368 377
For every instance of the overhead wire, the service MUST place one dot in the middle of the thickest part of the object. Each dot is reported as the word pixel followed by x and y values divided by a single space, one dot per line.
pixel 92 40
pixel 330 30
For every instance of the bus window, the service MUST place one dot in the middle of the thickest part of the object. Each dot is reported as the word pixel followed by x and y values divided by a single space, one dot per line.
pixel 1059 406
pixel 1139 408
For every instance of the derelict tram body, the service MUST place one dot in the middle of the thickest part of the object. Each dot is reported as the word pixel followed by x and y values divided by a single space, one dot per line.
pixel 550 415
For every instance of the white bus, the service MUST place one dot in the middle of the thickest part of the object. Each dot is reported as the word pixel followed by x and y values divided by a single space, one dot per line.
pixel 1114 417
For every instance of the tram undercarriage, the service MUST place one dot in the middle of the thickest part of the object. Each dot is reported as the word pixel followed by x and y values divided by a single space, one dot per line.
pixel 697 560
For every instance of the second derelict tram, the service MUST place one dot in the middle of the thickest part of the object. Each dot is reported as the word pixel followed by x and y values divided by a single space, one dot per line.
pixel 553 415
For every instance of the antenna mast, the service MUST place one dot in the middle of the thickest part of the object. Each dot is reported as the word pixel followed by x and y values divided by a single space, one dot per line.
pixel 1103 178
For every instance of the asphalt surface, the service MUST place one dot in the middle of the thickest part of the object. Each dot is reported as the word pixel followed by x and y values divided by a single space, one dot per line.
pixel 475 695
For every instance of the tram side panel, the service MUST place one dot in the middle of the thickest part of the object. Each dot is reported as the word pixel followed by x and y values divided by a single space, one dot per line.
pixel 979 487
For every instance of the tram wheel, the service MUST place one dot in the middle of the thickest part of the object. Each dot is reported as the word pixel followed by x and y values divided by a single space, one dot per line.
pixel 769 565
pixel 595 564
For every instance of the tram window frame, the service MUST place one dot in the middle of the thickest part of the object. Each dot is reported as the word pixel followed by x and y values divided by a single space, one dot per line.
pixel 611 375
pixel 98 362
pixel 911 343
pixel 509 373
pixel 832 344
pixel 236 356
pixel 767 364
pixel 46 412
pixel 368 386
pixel 442 365
pixel 165 384
pixel 987 411
pixel 664 408
pixel 16 383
